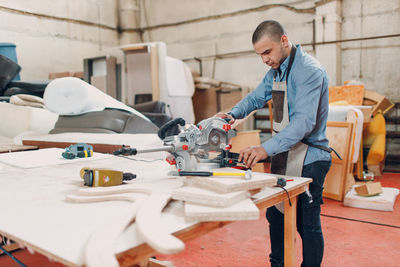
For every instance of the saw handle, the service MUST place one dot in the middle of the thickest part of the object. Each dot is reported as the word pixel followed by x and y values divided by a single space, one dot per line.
pixel 169 125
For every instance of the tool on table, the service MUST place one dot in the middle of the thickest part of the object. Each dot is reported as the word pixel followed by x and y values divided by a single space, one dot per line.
pixel 193 147
pixel 247 175
pixel 104 177
pixel 80 150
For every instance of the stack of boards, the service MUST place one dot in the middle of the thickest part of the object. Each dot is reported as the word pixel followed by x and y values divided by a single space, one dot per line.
pixel 221 198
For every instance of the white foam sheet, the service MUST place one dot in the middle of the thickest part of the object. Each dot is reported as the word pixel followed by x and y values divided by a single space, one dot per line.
pixel 43 157
pixel 384 201
pixel 18 119
pixel 72 96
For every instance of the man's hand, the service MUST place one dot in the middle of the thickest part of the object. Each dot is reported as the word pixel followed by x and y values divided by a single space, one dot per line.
pixel 224 116
pixel 251 155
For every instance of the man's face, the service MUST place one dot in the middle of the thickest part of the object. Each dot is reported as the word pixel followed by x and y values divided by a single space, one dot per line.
pixel 272 53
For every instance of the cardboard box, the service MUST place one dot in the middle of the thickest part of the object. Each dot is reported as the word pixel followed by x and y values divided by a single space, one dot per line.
pixel 204 103
pixel 207 102
pixel 369 189
pixel 378 101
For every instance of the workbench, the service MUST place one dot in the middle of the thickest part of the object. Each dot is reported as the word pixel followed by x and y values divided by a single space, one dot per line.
pixel 34 211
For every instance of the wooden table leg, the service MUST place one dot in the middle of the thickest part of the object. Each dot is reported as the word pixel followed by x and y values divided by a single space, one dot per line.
pixel 290 232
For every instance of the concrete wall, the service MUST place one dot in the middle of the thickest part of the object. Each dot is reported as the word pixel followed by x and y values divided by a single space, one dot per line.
pixel 373 62
pixel 47 42
pixel 208 28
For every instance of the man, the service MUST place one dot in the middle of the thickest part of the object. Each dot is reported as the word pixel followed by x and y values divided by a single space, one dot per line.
pixel 298 86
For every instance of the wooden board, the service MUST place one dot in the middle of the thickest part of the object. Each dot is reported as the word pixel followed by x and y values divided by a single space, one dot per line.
pixel 226 184
pixel 6 148
pixel 352 94
pixel 243 210
pixel 339 135
pixel 196 195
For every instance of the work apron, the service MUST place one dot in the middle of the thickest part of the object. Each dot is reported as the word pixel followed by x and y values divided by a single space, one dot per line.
pixel 290 162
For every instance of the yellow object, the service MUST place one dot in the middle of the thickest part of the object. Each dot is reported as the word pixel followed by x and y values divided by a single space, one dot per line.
pixel 375 138
pixel 229 174
pixel 101 177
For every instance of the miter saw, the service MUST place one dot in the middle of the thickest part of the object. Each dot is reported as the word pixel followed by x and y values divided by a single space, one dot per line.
pixel 197 147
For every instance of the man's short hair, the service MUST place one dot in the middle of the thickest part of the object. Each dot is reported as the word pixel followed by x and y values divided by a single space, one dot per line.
pixel 270 28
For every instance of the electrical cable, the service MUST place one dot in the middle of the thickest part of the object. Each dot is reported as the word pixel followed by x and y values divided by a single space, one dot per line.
pixel 355 220
pixel 138 159
pixel 287 193
pixel 11 256
pixel 281 182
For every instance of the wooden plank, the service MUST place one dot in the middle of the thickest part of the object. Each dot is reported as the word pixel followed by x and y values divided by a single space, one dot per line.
pixel 111 76
pixel 10 248
pixel 233 184
pixel 243 210
pixel 154 68
pixel 102 148
pixel 5 148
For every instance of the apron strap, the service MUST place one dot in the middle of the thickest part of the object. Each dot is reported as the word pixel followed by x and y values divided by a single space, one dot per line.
pixel 327 149
pixel 291 59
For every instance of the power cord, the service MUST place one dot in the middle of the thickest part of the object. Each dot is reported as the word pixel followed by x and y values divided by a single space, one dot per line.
pixel 11 256
pixel 281 182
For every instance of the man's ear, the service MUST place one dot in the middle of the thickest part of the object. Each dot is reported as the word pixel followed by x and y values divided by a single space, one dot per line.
pixel 285 41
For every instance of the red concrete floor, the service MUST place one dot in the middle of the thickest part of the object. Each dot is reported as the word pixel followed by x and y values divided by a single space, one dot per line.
pixel 353 237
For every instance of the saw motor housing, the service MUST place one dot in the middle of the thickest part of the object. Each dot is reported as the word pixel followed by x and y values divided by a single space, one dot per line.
pixel 193 145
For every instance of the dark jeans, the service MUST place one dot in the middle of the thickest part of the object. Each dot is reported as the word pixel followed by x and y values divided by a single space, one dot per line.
pixel 308 220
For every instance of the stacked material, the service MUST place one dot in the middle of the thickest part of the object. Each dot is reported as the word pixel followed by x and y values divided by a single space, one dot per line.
pixel 202 82
pixel 224 198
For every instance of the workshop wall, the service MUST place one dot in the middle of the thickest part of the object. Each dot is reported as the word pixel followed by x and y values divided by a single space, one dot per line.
pixel 215 30
pixel 55 36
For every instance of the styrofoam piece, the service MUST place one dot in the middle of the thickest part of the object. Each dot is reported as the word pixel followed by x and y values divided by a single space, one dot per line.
pixel 196 195
pixel 226 184
pixel 384 201
pixel 43 157
pixel 243 210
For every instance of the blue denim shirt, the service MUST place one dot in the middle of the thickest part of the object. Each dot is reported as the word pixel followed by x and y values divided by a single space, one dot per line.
pixel 308 103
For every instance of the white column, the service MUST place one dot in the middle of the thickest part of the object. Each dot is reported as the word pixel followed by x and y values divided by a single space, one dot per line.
pixel 328 23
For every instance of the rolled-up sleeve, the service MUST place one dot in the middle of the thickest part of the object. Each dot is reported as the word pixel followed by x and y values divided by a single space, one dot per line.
pixel 309 83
